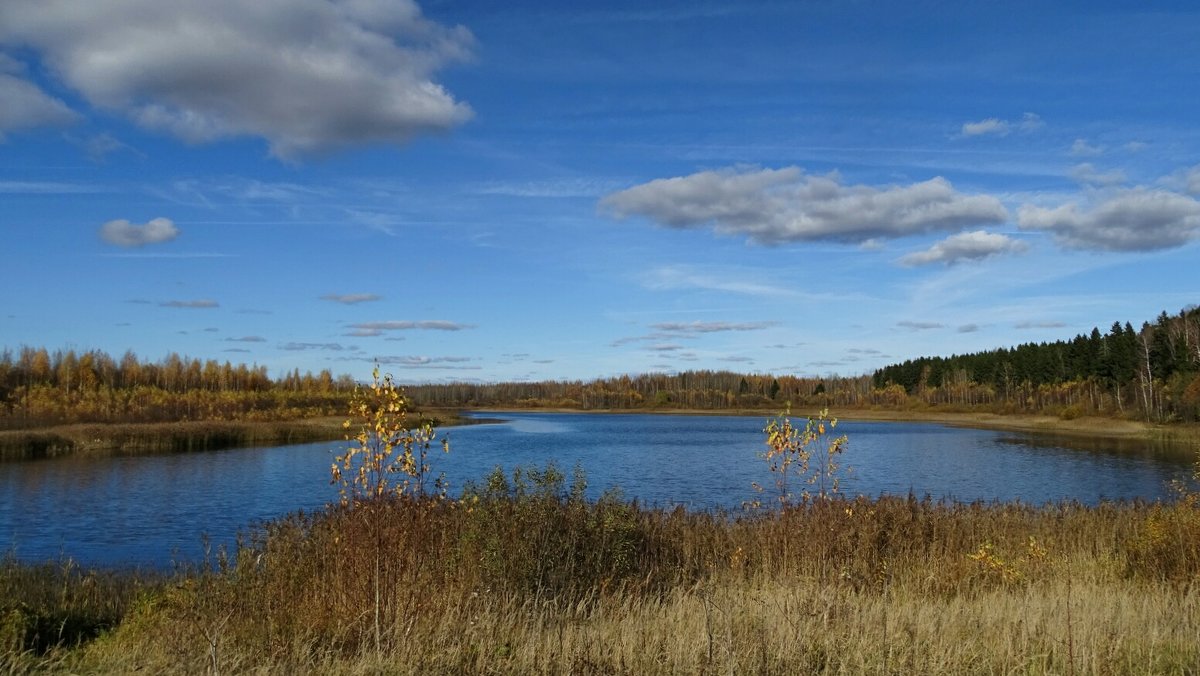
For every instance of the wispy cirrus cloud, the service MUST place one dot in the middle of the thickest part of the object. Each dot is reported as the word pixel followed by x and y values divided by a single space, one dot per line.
pixel 919 326
pixel 672 277
pixel 711 327
pixel 1087 174
pixel 1082 148
pixel 407 325
pixel 419 360
pixel 328 347
pixel 203 304
pixel 351 298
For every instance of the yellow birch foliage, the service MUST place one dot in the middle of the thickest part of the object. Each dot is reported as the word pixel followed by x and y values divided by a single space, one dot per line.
pixel 387 456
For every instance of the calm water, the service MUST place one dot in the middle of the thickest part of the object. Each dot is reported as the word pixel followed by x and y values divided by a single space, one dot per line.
pixel 154 510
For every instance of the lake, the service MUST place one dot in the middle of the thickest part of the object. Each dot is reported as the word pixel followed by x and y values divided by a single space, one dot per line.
pixel 155 510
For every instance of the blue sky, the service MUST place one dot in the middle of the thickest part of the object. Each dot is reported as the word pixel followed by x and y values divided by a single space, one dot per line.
pixel 536 190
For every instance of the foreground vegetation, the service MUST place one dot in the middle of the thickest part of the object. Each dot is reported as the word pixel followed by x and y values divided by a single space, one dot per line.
pixel 524 576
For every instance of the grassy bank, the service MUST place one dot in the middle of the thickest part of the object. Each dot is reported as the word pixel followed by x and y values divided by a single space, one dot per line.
pixel 102 440
pixel 526 577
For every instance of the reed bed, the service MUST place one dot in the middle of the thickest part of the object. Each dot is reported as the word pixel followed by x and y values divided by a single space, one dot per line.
pixel 524 576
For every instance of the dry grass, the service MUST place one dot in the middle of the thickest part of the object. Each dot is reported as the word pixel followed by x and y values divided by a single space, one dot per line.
pixel 531 579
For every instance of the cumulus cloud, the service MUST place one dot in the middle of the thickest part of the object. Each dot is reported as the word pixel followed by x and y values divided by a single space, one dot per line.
pixel 1087 174
pixel 25 104
pixel 123 233
pixel 423 325
pixel 1136 219
pixel 190 304
pixel 966 246
pixel 309 76
pixel 351 298
pixel 771 206
pixel 711 327
pixel 997 127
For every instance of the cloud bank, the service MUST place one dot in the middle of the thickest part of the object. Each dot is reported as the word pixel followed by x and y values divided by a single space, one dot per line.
pixel 309 76
pixel 25 104
pixel 773 206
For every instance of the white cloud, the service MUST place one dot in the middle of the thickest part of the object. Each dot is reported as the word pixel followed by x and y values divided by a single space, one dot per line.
pixel 972 246
pixel 919 326
pixel 991 125
pixel 309 76
pixel 123 233
pixel 1081 148
pixel 997 127
pixel 1087 174
pixel 771 206
pixel 1136 219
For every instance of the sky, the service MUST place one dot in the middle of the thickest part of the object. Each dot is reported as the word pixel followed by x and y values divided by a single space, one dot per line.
pixel 481 191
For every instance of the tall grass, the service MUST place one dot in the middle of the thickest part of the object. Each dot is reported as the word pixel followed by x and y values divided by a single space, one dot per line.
pixel 525 576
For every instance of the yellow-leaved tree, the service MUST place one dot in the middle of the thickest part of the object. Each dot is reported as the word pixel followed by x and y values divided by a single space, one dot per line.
pixel 791 455
pixel 388 460
pixel 389 456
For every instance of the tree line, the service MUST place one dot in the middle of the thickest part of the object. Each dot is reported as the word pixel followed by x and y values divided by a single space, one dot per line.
pixel 39 387
pixel 1152 373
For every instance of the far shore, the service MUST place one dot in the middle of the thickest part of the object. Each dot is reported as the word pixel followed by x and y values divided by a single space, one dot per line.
pixel 101 440
pixel 1092 427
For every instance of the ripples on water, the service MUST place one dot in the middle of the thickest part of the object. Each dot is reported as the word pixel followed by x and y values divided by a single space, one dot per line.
pixel 153 509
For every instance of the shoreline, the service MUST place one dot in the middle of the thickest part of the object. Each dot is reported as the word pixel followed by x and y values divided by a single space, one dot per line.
pixel 116 439
pixel 1088 426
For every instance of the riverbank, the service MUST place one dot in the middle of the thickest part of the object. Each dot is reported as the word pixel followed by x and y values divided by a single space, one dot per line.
pixel 101 440
pixel 114 439
pixel 1093 427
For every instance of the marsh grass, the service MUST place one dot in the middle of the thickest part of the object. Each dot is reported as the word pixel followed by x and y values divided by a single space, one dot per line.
pixel 525 576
